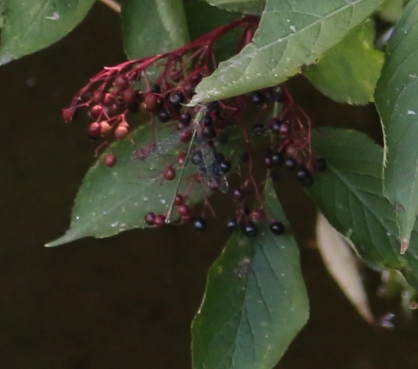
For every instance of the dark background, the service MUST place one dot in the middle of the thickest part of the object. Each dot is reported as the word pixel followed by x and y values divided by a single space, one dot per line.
pixel 127 301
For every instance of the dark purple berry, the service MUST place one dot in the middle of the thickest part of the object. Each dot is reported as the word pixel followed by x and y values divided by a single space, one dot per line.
pixel 275 127
pixel 258 129
pixel 305 177
pixel 268 161
pixel 164 116
pixel 277 228
pixel 258 98
pixel 207 121
pixel 232 225
pixel 225 166
pixel 238 194
pixel 199 224
pixel 214 106
pixel 290 163
pixel 209 132
pixel 156 89
pixel 284 129
pixel 185 118
pixel 277 158
pixel 250 229
pixel 150 218
pixel 176 98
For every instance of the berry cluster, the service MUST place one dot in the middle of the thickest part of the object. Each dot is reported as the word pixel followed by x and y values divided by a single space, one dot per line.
pixel 115 94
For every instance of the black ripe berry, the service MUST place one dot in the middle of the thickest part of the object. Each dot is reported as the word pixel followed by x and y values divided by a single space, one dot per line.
pixel 275 127
pixel 250 229
pixel 209 132
pixel 149 218
pixel 219 157
pixel 176 98
pixel 225 166
pixel 321 164
pixel 238 194
pixel 232 225
pixel 199 224
pixel 277 228
pixel 185 119
pixel 156 89
pixel 258 129
pixel 164 116
pixel 207 121
pixel 290 163
pixel 305 177
pixel 277 158
pixel 258 98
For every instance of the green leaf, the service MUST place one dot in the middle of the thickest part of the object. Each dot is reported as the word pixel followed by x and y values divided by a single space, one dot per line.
pixel 349 71
pixel 391 10
pixel 153 27
pixel 349 194
pixel 291 34
pixel 242 6
pixel 255 301
pixel 28 26
pixel 113 200
pixel 203 18
pixel 396 100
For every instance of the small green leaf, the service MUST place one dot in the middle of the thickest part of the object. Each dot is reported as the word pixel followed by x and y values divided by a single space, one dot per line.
pixel 153 27
pixel 397 103
pixel 28 26
pixel 291 34
pixel 255 301
pixel 242 6
pixel 349 71
pixel 349 194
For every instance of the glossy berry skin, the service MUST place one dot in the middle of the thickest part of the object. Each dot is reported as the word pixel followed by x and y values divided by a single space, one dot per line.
pixel 258 98
pixel 305 177
pixel 250 229
pixel 176 98
pixel 290 163
pixel 121 132
pixel 277 158
pixel 232 225
pixel 238 194
pixel 159 220
pixel 199 224
pixel 96 111
pixel 169 173
pixel 110 160
pixel 277 228
pixel 225 166
pixel 94 130
pixel 209 132
pixel 149 218
pixel 258 129
pixel 275 127
pixel 185 119
pixel 179 200
pixel 164 116
pixel 184 210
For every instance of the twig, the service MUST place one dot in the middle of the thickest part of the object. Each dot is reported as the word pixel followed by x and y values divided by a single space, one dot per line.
pixel 112 4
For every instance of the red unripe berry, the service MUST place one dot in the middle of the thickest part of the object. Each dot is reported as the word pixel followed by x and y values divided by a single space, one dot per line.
pixel 179 200
pixel 105 127
pixel 124 123
pixel 159 220
pixel 152 103
pixel 96 111
pixel 121 132
pixel 110 160
pixel 185 136
pixel 169 173
pixel 121 83
pixel 184 210
pixel 109 99
pixel 291 151
pixel 94 130
pixel 258 214
pixel 98 96
pixel 181 158
pixel 129 95
pixel 68 114
pixel 150 218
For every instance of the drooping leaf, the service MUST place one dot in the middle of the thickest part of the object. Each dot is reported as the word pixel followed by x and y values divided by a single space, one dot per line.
pixel 349 71
pixel 291 34
pixel 28 26
pixel 349 193
pixel 344 266
pixel 153 27
pixel 242 6
pixel 255 301
pixel 396 100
